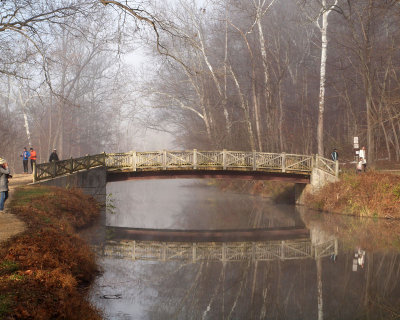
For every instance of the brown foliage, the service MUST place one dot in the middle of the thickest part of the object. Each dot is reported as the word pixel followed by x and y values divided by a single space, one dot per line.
pixel 45 268
pixel 369 194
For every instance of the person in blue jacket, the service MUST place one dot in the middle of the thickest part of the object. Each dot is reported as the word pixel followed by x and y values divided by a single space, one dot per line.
pixel 335 155
pixel 25 158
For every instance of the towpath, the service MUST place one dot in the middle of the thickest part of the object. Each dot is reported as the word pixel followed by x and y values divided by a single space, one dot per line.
pixel 10 225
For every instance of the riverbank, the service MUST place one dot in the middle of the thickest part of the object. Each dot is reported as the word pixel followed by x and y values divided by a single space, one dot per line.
pixel 371 194
pixel 10 225
pixel 45 270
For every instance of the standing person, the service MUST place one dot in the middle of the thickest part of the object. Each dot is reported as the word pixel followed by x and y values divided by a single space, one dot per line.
pixel 33 158
pixel 25 158
pixel 359 166
pixel 53 156
pixel 335 155
pixel 362 156
pixel 4 174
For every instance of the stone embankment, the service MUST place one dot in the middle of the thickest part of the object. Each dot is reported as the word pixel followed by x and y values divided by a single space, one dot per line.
pixel 10 225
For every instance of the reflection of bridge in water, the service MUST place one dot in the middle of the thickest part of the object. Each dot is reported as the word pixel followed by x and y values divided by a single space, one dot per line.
pixel 217 251
pixel 253 245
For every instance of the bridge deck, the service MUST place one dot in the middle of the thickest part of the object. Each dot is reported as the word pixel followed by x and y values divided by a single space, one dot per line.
pixel 114 175
pixel 241 235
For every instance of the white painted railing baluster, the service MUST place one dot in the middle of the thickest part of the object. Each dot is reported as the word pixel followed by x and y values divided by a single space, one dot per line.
pixel 194 252
pixel 194 159
pixel 133 160
pixel 224 159
pixel 337 168
pixel 164 159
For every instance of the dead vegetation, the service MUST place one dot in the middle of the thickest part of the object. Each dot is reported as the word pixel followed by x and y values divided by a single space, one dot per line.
pixel 370 194
pixel 44 271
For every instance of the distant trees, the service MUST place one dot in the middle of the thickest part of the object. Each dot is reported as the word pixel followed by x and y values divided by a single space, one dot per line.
pixel 234 74
pixel 257 75
pixel 61 77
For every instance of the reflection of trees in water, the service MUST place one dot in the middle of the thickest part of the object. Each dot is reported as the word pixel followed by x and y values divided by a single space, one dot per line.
pixel 236 291
pixel 234 211
pixel 276 290
pixel 369 233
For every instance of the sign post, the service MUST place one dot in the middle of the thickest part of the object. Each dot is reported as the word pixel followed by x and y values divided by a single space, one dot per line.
pixel 356 147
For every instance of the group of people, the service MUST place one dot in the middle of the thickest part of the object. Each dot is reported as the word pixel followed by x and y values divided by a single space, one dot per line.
pixel 26 155
pixel 31 154
pixel 362 159
pixel 5 170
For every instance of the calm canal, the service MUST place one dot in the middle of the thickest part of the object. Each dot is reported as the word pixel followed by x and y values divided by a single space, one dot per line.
pixel 357 277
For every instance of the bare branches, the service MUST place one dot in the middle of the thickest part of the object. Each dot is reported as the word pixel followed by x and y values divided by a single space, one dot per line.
pixel 151 20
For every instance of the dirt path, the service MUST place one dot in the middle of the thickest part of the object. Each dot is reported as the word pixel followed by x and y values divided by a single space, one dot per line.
pixel 10 225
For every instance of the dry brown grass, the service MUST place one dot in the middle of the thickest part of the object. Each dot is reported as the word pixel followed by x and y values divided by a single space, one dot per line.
pixel 369 194
pixel 44 270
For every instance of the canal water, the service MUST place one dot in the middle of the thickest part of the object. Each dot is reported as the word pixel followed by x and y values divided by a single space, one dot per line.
pixel 356 278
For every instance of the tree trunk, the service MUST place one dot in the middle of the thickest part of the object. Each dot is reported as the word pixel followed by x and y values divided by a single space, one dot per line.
pixel 321 105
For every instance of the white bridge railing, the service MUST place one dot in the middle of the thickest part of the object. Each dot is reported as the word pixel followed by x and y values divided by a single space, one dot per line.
pixel 224 160
pixel 215 251
pixel 192 160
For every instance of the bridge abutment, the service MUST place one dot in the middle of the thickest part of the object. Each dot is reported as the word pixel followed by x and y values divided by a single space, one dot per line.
pixel 318 179
pixel 92 182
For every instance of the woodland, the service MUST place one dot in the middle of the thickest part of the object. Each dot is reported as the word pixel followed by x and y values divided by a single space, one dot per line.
pixel 295 76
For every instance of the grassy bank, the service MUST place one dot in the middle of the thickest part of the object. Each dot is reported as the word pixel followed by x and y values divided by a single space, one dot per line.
pixel 44 271
pixel 370 194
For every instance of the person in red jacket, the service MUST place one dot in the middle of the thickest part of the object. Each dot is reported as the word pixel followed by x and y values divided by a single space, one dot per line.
pixel 33 158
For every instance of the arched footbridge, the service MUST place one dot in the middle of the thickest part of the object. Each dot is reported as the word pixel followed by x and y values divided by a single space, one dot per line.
pixel 194 163
pixel 234 245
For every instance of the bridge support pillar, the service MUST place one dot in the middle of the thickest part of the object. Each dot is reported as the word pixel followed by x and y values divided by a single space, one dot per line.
pixel 300 190
pixel 318 179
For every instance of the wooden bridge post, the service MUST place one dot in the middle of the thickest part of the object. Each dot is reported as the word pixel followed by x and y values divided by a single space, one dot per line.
pixel 254 160
pixel 71 165
pixel 54 169
pixel 87 161
pixel 337 168
pixel 194 252
pixel 133 153
pixel 34 173
pixel 164 159
pixel 104 158
pixel 164 251
pixel 224 159
pixel 283 162
pixel 223 247
pixel 194 159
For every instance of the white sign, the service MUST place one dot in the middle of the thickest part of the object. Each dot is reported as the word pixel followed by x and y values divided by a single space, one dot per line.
pixel 356 146
pixel 355 140
pixel 357 152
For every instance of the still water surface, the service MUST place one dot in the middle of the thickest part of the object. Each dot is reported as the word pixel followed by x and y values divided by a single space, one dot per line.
pixel 332 287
